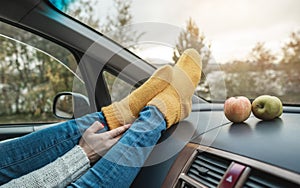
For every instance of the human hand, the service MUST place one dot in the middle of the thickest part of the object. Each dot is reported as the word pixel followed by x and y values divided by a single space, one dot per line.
pixel 97 144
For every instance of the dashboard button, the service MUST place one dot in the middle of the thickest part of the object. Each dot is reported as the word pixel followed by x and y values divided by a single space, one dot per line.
pixel 232 175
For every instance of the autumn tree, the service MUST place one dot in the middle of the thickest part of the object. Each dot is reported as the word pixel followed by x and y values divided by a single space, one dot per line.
pixel 192 37
pixel 290 64
pixel 262 57
pixel 5 68
pixel 291 49
pixel 118 25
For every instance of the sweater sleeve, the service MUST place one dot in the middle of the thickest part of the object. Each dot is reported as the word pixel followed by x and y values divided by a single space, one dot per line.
pixel 59 173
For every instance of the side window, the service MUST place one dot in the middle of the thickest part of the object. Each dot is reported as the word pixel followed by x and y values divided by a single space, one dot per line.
pixel 118 88
pixel 32 71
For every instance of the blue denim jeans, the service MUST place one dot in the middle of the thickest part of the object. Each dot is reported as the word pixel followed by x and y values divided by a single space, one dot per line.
pixel 117 168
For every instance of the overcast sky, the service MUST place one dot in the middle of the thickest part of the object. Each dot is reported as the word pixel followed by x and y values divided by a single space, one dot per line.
pixel 232 26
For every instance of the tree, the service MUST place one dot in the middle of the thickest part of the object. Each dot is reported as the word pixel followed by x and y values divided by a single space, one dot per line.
pixel 291 49
pixel 118 26
pixel 262 56
pixel 25 79
pixel 290 64
pixel 79 9
pixel 83 10
pixel 5 97
pixel 191 37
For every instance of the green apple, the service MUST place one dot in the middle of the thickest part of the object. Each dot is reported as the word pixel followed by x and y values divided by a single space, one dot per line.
pixel 267 107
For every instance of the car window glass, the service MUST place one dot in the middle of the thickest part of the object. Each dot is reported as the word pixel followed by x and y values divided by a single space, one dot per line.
pixel 30 76
pixel 118 88
pixel 248 48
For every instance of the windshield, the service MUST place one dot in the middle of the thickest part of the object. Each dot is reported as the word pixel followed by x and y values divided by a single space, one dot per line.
pixel 249 48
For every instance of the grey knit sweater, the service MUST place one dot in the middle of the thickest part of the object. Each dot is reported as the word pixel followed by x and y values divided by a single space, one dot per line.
pixel 59 173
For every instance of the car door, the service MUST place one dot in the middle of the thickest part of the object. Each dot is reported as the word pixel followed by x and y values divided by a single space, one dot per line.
pixel 30 79
pixel 39 60
pixel 92 65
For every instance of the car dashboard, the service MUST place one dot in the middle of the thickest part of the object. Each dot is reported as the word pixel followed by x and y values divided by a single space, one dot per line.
pixel 215 152
pixel 251 154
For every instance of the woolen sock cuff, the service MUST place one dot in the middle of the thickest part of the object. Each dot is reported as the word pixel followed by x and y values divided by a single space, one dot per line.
pixel 168 105
pixel 113 117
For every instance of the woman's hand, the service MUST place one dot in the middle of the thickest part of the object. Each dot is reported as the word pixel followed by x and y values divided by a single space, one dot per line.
pixel 97 144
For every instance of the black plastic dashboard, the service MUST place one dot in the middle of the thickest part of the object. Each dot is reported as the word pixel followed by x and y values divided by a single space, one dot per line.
pixel 268 150
pixel 275 142
pixel 270 147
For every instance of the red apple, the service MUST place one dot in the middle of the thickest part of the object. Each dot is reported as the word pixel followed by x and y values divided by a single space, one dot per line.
pixel 237 109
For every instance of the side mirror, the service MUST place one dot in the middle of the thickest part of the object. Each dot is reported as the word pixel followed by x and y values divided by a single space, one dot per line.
pixel 67 105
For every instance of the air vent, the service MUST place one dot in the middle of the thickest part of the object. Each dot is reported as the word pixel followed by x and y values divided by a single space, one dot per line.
pixel 208 169
pixel 259 179
pixel 184 184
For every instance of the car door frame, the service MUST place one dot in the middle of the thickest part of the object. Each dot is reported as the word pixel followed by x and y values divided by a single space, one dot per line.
pixel 42 18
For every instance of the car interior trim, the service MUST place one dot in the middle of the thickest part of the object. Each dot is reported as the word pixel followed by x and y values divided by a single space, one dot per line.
pixel 285 174
pixel 243 177
pixel 191 181
pixel 183 158
pixel 249 163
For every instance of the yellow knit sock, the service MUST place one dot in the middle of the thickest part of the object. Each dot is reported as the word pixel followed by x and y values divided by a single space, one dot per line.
pixel 127 110
pixel 176 100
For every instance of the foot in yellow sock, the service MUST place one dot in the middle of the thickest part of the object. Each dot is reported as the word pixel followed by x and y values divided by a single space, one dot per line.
pixel 176 100
pixel 127 110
